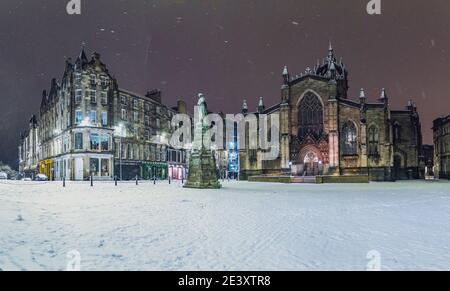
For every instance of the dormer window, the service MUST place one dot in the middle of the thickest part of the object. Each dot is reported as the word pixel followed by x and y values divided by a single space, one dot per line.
pixel 123 99
pixel 104 81
pixel 78 77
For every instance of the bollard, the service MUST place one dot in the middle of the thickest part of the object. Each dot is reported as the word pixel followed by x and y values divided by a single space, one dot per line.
pixel 92 180
pixel 154 180
pixel 64 182
pixel 115 180
pixel 169 180
pixel 137 183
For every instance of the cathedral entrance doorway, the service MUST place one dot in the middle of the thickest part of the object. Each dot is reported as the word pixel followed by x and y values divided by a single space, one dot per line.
pixel 311 164
pixel 308 162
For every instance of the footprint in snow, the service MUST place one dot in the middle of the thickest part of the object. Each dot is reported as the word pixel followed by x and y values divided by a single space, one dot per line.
pixel 19 218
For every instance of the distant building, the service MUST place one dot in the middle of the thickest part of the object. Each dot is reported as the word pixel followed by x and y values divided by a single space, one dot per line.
pixel 89 126
pixel 428 156
pixel 324 132
pixel 441 137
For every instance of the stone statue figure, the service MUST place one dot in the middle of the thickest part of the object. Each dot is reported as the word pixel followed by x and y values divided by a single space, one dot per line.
pixel 202 110
pixel 202 162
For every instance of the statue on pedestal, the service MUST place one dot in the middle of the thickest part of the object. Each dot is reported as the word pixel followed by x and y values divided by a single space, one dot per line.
pixel 202 162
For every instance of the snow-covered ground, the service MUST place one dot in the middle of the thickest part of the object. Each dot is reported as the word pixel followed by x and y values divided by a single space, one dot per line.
pixel 244 226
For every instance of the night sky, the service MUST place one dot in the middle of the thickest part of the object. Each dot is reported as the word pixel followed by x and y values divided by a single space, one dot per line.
pixel 227 49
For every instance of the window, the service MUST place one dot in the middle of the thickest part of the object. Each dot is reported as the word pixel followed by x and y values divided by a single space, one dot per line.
pixel 105 168
pixel 104 117
pixel 349 141
pixel 78 116
pixel 373 138
pixel 95 142
pixel 78 141
pixel 147 120
pixel 130 151
pixel 146 154
pixel 78 96
pixel 397 133
pixel 93 80
pixel 310 116
pixel 78 77
pixel 105 142
pixel 136 116
pixel 123 99
pixel 147 107
pixel 147 135
pixel 93 96
pixel 94 166
pixel 124 114
pixel 93 116
pixel 152 152
pixel 123 151
pixel 104 97
pixel 136 103
pixel 104 81
pixel 158 122
pixel 158 153
pixel 158 110
pixel 163 154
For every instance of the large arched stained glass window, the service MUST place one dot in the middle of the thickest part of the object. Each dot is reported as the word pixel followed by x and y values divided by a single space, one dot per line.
pixel 349 139
pixel 310 116
pixel 373 138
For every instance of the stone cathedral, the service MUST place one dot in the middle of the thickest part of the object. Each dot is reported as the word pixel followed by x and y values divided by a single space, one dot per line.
pixel 323 132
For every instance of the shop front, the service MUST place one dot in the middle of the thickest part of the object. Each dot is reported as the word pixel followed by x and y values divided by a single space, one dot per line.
pixel 46 168
pixel 177 172
pixel 151 170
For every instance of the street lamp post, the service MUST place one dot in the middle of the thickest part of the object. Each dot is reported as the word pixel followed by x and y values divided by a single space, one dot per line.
pixel 119 130
pixel 120 158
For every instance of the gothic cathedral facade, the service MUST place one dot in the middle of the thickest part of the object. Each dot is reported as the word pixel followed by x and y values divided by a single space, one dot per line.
pixel 325 133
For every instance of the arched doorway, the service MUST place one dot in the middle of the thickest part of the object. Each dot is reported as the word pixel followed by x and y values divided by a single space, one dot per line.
pixel 399 170
pixel 311 161
pixel 311 164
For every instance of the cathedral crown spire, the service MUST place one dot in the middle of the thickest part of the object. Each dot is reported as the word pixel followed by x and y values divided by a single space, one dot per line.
pixel 330 53
pixel 244 107
pixel 362 94
pixel 261 106
pixel 286 75
pixel 383 95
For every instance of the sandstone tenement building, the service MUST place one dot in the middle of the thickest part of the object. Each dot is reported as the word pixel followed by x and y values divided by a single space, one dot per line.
pixel 87 126
pixel 441 136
